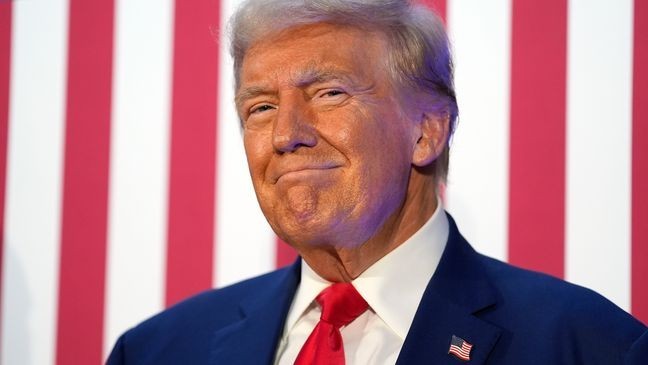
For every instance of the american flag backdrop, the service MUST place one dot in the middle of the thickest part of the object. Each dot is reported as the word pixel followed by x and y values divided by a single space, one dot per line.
pixel 124 186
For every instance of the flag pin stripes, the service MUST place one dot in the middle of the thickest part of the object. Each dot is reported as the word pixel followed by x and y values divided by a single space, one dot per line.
pixel 460 348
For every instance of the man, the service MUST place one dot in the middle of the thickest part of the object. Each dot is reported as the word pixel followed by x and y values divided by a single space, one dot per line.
pixel 347 108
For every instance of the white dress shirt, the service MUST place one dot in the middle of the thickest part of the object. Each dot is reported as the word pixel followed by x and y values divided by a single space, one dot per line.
pixel 393 287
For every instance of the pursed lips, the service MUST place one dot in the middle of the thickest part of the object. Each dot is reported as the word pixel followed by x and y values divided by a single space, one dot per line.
pixel 300 170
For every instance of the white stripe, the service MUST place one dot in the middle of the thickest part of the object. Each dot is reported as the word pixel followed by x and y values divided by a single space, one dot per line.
pixel 477 193
pixel 139 164
pixel 245 243
pixel 34 182
pixel 599 146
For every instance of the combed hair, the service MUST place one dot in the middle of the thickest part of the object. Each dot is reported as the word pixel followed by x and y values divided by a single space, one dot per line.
pixel 419 50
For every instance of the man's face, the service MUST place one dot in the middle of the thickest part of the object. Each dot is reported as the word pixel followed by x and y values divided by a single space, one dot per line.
pixel 328 143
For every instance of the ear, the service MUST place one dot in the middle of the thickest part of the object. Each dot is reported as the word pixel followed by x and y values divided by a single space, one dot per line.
pixel 433 136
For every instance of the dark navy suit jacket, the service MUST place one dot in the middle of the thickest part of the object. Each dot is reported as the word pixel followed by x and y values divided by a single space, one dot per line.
pixel 509 315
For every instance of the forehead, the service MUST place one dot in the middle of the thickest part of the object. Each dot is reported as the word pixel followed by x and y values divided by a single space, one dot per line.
pixel 314 52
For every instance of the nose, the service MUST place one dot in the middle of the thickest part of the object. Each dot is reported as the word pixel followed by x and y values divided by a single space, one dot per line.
pixel 293 127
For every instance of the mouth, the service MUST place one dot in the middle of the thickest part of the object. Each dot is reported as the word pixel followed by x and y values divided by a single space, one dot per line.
pixel 302 172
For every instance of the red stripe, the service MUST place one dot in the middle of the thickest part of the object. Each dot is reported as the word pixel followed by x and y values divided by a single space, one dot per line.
pixel 537 147
pixel 85 185
pixel 640 164
pixel 193 149
pixel 5 64
pixel 286 255
pixel 440 6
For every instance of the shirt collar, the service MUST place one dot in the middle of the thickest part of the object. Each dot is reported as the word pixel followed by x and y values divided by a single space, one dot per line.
pixel 310 286
pixel 394 285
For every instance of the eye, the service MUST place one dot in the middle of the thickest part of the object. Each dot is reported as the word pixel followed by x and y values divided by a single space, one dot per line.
pixel 331 93
pixel 260 108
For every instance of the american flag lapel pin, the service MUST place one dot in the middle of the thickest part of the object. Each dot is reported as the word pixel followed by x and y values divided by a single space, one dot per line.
pixel 460 348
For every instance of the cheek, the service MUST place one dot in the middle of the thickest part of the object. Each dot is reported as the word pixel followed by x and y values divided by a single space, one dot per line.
pixel 258 151
pixel 343 136
pixel 385 155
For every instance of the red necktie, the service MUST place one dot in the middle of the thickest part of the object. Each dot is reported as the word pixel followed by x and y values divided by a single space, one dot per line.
pixel 341 304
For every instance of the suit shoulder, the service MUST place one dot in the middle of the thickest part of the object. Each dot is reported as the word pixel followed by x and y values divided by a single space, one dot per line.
pixel 217 304
pixel 543 303
pixel 187 326
pixel 517 284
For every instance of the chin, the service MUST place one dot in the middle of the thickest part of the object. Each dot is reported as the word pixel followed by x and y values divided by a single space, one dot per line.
pixel 315 227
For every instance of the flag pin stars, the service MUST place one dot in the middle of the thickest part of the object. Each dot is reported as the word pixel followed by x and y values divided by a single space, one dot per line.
pixel 460 348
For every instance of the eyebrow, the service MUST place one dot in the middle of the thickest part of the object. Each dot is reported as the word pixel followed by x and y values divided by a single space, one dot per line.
pixel 249 93
pixel 315 74
pixel 311 75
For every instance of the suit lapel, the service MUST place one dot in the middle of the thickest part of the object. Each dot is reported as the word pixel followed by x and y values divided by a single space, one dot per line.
pixel 458 290
pixel 254 338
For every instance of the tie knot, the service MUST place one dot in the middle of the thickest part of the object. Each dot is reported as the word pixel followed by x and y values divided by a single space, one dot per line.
pixel 341 304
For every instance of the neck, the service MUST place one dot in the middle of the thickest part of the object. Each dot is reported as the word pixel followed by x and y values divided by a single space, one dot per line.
pixel 343 264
